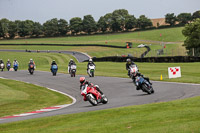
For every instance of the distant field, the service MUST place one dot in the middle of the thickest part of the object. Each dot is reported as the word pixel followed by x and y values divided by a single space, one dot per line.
pixel 190 71
pixel 91 50
pixel 119 39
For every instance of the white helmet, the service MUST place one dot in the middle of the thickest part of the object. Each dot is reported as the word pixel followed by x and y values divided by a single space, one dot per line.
pixel 90 60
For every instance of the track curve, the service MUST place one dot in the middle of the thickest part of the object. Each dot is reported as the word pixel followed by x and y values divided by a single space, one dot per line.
pixel 80 56
pixel 120 91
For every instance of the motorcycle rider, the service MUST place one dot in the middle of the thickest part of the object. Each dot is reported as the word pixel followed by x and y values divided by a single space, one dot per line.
pixel 71 62
pixel 83 81
pixel 53 63
pixel 137 73
pixel 90 62
pixel 31 62
pixel 8 62
pixel 1 62
pixel 128 64
pixel 15 62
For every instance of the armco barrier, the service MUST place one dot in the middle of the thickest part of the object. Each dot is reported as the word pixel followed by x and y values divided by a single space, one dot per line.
pixel 149 59
pixel 100 45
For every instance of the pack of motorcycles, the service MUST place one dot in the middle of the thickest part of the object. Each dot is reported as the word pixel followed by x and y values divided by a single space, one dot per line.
pixel 92 95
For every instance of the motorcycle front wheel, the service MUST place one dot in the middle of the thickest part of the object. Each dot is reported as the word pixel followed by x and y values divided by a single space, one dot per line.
pixel 92 99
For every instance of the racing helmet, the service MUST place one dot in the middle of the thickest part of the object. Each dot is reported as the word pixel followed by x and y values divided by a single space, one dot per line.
pixel 31 59
pixel 128 60
pixel 82 80
pixel 90 60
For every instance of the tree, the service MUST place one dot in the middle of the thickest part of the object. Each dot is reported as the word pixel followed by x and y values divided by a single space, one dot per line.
pixel 192 33
pixel 63 27
pixel 89 25
pixel 51 27
pixel 184 18
pixel 108 20
pixel 143 22
pixel 130 22
pixel 101 24
pixel 170 18
pixel 12 29
pixel 37 29
pixel 25 28
pixel 196 15
pixel 119 19
pixel 76 25
pixel 4 27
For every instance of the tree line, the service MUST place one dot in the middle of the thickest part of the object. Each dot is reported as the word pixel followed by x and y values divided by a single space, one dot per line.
pixel 117 21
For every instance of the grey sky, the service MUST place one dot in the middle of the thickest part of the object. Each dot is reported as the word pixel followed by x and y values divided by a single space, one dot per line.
pixel 43 10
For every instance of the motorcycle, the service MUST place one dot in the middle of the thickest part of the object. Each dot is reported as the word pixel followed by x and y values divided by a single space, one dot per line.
pixel 31 68
pixel 15 66
pixel 54 69
pixel 8 66
pixel 2 66
pixel 73 70
pixel 133 69
pixel 92 95
pixel 91 70
pixel 143 84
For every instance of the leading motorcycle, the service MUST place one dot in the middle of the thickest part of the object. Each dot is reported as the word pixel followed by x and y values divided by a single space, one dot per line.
pixel 92 95
pixel 144 85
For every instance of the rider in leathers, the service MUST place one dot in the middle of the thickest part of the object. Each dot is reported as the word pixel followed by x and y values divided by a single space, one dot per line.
pixel 90 62
pixel 83 81
pixel 53 63
pixel 128 64
pixel 71 62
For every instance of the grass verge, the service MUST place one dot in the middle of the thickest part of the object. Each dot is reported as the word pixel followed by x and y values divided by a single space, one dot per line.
pixel 180 116
pixel 19 97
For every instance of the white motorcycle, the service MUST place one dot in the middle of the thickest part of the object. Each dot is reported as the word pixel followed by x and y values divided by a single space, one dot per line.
pixel 73 70
pixel 91 70
pixel 2 66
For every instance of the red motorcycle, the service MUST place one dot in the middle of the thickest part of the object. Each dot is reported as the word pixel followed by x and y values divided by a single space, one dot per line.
pixel 92 95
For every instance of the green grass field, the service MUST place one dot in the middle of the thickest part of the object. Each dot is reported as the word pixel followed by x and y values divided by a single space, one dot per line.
pixel 91 50
pixel 19 97
pixel 181 116
pixel 168 35
pixel 190 71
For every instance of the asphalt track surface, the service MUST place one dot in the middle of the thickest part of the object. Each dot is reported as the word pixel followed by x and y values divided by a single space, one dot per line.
pixel 78 55
pixel 120 91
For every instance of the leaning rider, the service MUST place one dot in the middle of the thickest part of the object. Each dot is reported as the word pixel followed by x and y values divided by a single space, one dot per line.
pixel 128 64
pixel 83 81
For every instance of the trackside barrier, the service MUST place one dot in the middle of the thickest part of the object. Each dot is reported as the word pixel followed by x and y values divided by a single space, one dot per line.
pixel 149 59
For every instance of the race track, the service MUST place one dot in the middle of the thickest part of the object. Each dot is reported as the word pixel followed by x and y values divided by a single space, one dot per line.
pixel 120 91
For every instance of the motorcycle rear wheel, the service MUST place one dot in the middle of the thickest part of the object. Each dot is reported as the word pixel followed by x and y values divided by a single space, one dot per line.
pixel 146 89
